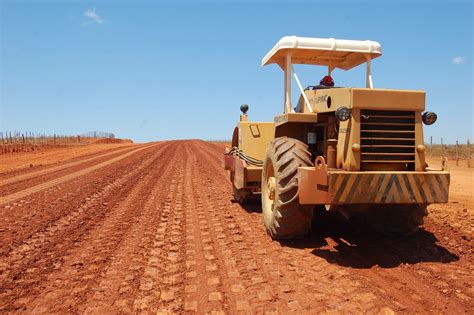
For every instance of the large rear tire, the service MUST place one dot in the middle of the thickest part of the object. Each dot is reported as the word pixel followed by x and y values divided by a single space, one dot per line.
pixel 283 215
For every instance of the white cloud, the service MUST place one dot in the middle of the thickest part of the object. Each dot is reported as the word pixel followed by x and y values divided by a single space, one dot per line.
pixel 459 60
pixel 92 17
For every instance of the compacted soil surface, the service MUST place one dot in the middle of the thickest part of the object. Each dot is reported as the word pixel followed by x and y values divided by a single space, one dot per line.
pixel 46 155
pixel 153 228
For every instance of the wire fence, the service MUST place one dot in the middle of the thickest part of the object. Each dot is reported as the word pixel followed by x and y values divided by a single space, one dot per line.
pixel 14 141
pixel 459 153
pixel 36 138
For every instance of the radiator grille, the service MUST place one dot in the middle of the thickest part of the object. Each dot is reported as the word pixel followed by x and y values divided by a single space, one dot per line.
pixel 387 140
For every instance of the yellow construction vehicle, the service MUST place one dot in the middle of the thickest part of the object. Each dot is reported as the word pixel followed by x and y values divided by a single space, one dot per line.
pixel 351 150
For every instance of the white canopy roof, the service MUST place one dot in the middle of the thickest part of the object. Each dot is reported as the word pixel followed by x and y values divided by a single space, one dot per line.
pixel 334 53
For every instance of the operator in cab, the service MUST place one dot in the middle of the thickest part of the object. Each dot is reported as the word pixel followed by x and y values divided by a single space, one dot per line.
pixel 326 83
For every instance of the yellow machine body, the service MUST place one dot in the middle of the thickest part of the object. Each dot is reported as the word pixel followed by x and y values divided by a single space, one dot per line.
pixel 370 167
pixel 252 138
pixel 376 156
pixel 356 151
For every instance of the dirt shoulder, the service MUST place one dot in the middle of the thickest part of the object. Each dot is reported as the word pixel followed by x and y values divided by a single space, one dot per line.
pixel 457 216
pixel 461 189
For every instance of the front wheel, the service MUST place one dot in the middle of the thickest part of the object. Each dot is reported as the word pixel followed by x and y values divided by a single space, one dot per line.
pixel 283 215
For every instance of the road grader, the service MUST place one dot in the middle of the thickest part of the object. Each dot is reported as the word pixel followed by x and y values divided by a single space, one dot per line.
pixel 351 150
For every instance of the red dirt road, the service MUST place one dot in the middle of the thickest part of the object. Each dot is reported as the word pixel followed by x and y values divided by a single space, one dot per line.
pixel 150 228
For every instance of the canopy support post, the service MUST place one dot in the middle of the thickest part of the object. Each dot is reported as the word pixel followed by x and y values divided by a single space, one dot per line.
pixel 288 71
pixel 306 101
pixel 369 83
pixel 330 68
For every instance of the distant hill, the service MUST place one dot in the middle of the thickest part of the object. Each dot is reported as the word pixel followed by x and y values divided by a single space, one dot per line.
pixel 98 134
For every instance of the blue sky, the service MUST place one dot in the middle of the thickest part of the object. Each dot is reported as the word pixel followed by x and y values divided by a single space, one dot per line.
pixel 180 69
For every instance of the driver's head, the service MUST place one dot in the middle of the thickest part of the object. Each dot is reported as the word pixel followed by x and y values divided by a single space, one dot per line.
pixel 327 81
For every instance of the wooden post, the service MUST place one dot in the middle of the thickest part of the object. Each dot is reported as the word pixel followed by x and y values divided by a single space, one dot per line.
pixel 468 153
pixel 431 147
pixel 442 148
pixel 457 153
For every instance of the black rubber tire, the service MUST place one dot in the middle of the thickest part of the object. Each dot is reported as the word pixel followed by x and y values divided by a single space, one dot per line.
pixel 241 195
pixel 397 220
pixel 283 216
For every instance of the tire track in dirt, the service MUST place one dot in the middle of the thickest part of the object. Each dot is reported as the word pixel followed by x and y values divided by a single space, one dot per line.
pixel 51 157
pixel 161 282
pixel 251 282
pixel 133 285
pixel 48 176
pixel 22 219
pixel 42 254
pixel 167 257
pixel 29 175
pixel 88 266
pixel 43 186
pixel 208 282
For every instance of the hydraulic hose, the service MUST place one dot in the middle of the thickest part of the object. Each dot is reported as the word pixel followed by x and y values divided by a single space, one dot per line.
pixel 250 160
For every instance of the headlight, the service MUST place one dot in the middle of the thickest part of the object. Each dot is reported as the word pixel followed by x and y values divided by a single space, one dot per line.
pixel 343 113
pixel 429 118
